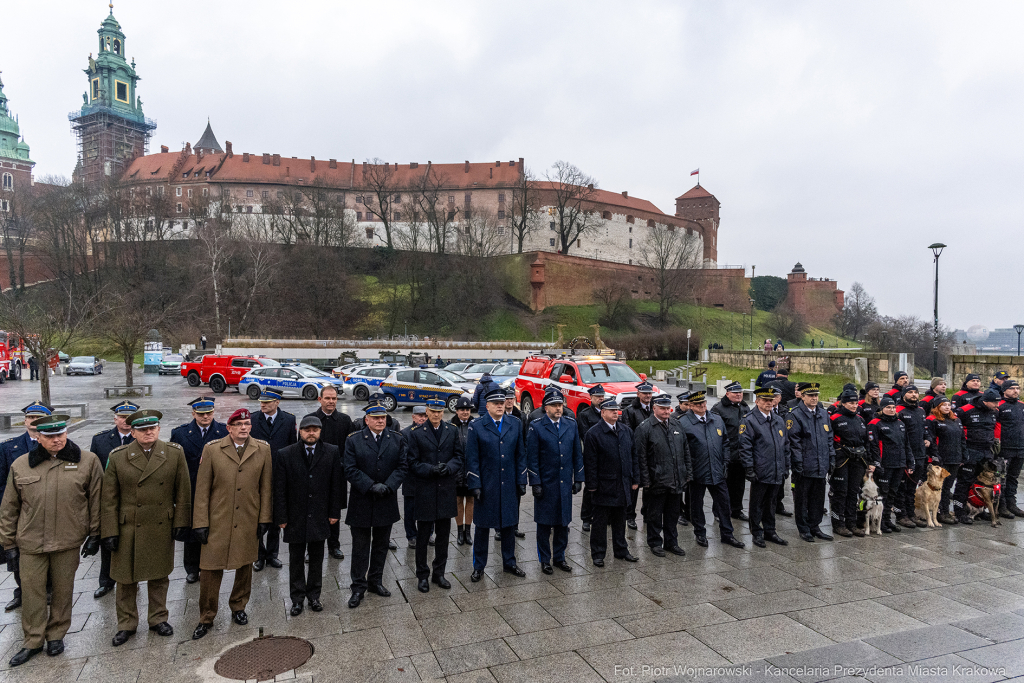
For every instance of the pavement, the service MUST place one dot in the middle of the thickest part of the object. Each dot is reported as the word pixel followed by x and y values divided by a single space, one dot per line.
pixel 923 605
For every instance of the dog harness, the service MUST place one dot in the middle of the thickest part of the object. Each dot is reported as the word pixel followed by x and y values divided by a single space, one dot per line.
pixel 974 499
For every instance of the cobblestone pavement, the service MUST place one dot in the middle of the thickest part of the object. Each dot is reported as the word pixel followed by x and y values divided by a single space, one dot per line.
pixel 922 605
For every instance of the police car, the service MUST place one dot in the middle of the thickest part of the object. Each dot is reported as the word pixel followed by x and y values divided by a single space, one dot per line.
pixel 293 380
pixel 364 381
pixel 408 387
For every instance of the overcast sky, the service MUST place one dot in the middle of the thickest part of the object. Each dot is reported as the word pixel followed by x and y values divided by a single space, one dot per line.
pixel 847 136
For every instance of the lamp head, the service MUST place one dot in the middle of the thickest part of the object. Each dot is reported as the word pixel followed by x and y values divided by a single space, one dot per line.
pixel 1018 328
pixel 937 248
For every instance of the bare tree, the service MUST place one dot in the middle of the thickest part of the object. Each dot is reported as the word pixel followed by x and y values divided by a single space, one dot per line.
pixel 786 323
pixel 16 229
pixel 573 191
pixel 126 318
pixel 522 211
pixel 434 198
pixel 478 235
pixel 858 312
pixel 214 235
pixel 379 178
pixel 672 256
pixel 619 307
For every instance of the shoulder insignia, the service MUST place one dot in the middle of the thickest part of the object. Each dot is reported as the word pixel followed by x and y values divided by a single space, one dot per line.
pixel 789 425
pixel 743 428
pixel 835 416
pixel 261 441
pixel 874 421
pixel 174 445
pixel 119 448
pixel 8 441
pixel 780 432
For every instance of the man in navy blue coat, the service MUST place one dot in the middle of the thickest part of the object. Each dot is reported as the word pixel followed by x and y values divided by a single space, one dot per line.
pixel 278 429
pixel 11 450
pixel 554 465
pixel 496 475
pixel 610 466
pixel 193 437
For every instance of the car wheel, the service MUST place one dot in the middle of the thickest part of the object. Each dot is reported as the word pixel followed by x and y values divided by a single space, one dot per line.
pixel 253 391
pixel 17 372
pixel 390 403
pixel 193 379
pixel 218 385
pixel 451 403
pixel 361 393
pixel 3 376
pixel 526 404
pixel 310 393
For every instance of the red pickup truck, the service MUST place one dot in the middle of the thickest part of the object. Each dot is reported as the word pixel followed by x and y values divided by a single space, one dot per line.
pixel 574 375
pixel 221 371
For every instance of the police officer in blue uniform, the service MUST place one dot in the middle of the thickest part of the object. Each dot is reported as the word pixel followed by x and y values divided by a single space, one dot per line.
pixel 554 465
pixel 496 475
pixel 193 437
pixel 813 458
pixel 11 450
pixel 764 454
pixel 102 444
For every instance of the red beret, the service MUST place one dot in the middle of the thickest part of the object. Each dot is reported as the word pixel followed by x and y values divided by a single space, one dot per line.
pixel 240 414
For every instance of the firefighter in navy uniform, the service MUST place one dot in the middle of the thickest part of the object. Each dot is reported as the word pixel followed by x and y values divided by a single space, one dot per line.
pixel 663 460
pixel 1010 432
pixel 910 411
pixel 419 417
pixel 610 466
pixel 980 420
pixel 588 416
pixel 193 437
pixel 812 458
pixel 890 452
pixel 633 415
pixel 850 440
pixel 102 444
pixel 764 452
pixel 732 409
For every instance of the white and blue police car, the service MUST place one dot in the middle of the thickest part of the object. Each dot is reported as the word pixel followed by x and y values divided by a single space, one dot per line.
pixel 412 387
pixel 364 382
pixel 292 381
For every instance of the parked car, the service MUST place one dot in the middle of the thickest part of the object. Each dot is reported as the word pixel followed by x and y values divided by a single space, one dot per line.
pixel 291 380
pixel 409 387
pixel 343 371
pixel 477 370
pixel 457 367
pixel 365 381
pixel 310 371
pixel 85 365
pixel 63 357
pixel 171 364
pixel 574 375
pixel 222 370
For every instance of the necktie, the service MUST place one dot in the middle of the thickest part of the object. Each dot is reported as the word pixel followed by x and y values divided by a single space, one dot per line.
pixel 124 440
pixel 309 455
pixel 203 430
pixel 270 422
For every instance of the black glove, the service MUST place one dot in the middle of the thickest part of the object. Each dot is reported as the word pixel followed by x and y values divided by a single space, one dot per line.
pixel 831 469
pixel 91 547
pixel 12 556
pixel 750 474
pixel 538 492
pixel 262 528
pixel 521 490
pixel 445 470
pixel 379 490
pixel 577 487
pixel 182 534
pixel 477 493
pixel 798 471
pixel 436 470
pixel 202 534
pixel 110 543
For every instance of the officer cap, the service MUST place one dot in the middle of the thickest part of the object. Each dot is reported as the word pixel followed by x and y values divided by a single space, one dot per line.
pixel 596 390
pixel 375 408
pixel 125 408
pixel 971 376
pixel 144 418
pixel 698 397
pixel 609 404
pixel 776 391
pixel 645 388
pixel 733 386
pixel 510 393
pixel 463 402
pixel 764 392
pixel 683 397
pixel 269 394
pixel 848 396
pixel 809 388
pixel 203 404
pixel 553 398
pixel 310 421
pixel 435 404
pixel 662 400
pixel 991 396
pixel 239 415
pixel 771 364
pixel 1002 374
pixel 419 410
pixel 53 425
pixel 886 401
pixel 495 396
pixel 899 373
pixel 36 408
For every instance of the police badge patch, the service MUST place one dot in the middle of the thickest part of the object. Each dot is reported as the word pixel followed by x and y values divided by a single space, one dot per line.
pixel 720 431
pixel 789 425
pixel 743 428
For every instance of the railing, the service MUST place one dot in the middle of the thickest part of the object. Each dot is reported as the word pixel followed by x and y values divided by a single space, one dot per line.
pixel 90 109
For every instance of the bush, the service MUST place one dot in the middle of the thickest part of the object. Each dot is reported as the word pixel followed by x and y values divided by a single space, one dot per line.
pixel 655 345
pixel 786 323
pixel 619 307
pixel 768 291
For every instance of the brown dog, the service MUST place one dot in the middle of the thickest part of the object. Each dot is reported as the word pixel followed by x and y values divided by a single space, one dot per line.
pixel 926 500
pixel 983 493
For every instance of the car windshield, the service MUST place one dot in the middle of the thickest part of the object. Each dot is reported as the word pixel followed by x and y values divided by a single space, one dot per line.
pixel 592 373
pixel 480 367
pixel 82 359
pixel 450 376
pixel 173 358
pixel 309 372
pixel 505 371
pixel 270 363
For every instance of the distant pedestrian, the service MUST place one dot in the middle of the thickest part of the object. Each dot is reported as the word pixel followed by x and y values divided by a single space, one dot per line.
pixel 33 368
pixel 202 340
pixel 767 375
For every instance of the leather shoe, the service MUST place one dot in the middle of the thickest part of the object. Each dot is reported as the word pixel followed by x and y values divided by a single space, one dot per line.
pixel 563 565
pixel 520 534
pixel 296 609
pixel 101 591
pixel 412 543
pixel 784 512
pixel 683 521
pixel 240 617
pixel 818 533
pixel 423 586
pixel 24 654
pixel 192 578
pixel 54 647
pixel 442 582
pixel 392 545
pixel 776 539
pixel 274 562
pixel 676 550
pixel 734 542
pixel 702 541
pixel 201 630
pixel 843 531
pixel 163 629
pixel 14 604
pixel 432 540
pixel 586 527
pixel 759 541
pixel 121 637
pixel 857 531
pixel 631 523
pixel 497 535
pixel 380 590
pixel 1016 511
pixel 357 597
pixel 807 536
pixel 514 570
pixel 659 551
pixel 258 565
pixel 741 515
pixel 337 554
pixel 547 569
pixel 476 575
pixel 628 558
pixel 316 605
pixel 598 562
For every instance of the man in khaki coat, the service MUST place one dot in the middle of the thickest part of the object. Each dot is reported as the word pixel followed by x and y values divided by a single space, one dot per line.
pixel 147 505
pixel 231 511
pixel 50 507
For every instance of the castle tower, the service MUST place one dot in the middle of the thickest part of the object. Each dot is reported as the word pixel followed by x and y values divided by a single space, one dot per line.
pixel 208 143
pixel 15 164
pixel 110 126
pixel 701 206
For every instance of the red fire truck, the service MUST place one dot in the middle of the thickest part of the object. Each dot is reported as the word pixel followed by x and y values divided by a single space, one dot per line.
pixel 13 356
pixel 574 375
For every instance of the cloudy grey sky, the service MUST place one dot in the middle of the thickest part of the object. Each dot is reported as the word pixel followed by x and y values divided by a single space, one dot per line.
pixel 847 136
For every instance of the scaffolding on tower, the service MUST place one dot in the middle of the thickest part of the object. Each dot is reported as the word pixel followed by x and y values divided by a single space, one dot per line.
pixel 108 141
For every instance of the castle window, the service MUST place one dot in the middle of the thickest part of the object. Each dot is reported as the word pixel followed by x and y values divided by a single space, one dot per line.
pixel 5 206
pixel 265 194
pixel 206 192
pixel 117 47
pixel 630 219
pixel 298 196
pixel 552 241
pixel 552 225
pixel 149 191
pixel 501 197
pixel 248 193
pixel 630 242
pixel 397 216
pixel 631 230
pixel 178 207
pixel 501 214
pixel 398 199
pixel 469 198
pixel 451 199
pixel 579 243
pixel 8 181
pixel 177 192
pixel 225 192
pixel 369 233
pixel 359 215
pixel 248 209
pixel 466 214
pixel 451 215
pixel 95 88
pixel 607 215
pixel 359 199
pixel 121 91
pixel 190 193
pixel 160 190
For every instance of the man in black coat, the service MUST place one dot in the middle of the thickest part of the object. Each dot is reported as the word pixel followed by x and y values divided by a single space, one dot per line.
pixel 277 428
pixel 419 417
pixel 663 461
pixel 813 458
pixel 309 493
pixel 766 375
pixel 610 470
pixel 588 416
pixel 376 463
pixel 336 428
pixel 435 459
pixel 732 409
pixel 910 410
pixel 193 437
pixel 633 416
pixel 764 452
pixel 102 444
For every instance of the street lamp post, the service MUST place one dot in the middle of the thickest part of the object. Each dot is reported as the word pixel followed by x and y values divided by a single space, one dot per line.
pixel 1018 329
pixel 751 322
pixel 937 251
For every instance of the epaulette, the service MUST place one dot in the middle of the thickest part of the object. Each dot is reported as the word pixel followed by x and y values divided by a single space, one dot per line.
pixel 119 448
pixel 9 440
pixel 260 441
pixel 174 445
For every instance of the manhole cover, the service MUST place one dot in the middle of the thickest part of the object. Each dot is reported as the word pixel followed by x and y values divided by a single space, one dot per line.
pixel 264 658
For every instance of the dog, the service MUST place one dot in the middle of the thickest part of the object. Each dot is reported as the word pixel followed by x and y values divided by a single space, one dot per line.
pixel 871 503
pixel 984 493
pixel 929 492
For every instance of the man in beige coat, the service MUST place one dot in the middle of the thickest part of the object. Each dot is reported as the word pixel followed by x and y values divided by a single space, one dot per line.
pixel 231 511
pixel 147 505
pixel 50 507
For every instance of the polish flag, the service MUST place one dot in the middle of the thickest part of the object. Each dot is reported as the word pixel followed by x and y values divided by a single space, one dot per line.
pixel 697 172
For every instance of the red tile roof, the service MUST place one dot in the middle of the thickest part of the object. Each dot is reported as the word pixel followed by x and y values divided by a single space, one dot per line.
pixel 612 199
pixel 695 191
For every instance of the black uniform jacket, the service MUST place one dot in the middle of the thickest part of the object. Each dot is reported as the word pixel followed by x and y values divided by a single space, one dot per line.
pixel 913 417
pixel 609 464
pixel 732 415
pixel 849 437
pixel 709 448
pixel 765 447
pixel 887 442
pixel 810 441
pixel 948 444
pixel 282 434
pixel 368 462
pixel 190 438
pixel 1010 423
pixel 663 458
pixel 336 427
pixel 308 493
pixel 104 442
pixel 435 495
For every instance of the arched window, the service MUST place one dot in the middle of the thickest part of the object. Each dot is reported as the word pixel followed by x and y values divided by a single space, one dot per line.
pixel 8 181
pixel 117 47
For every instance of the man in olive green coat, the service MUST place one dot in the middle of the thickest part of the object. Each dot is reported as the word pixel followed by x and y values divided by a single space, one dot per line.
pixel 231 511
pixel 147 505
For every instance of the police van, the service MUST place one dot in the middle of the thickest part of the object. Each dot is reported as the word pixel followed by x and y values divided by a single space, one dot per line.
pixel 413 387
